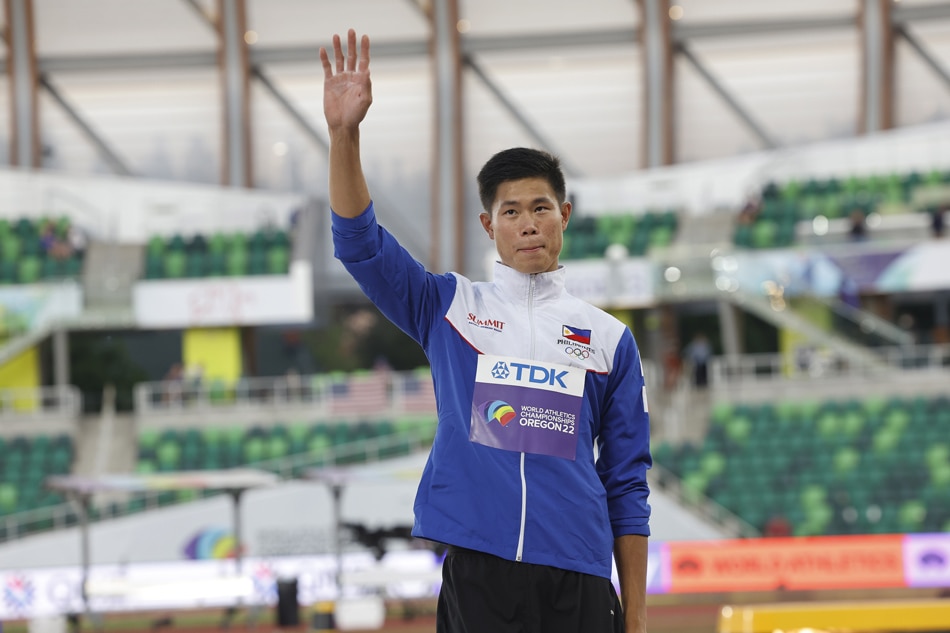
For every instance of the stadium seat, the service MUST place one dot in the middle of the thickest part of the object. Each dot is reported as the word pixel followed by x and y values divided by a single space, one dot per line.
pixel 168 454
pixel 257 262
pixel 236 262
pixel 30 269
pixel 155 247
pixel 154 266
pixel 217 243
pixel 8 498
pixel 175 264
pixel 196 265
pixel 278 260
pixel 10 248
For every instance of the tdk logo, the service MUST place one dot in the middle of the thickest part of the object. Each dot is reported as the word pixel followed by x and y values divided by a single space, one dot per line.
pixel 500 370
pixel 533 374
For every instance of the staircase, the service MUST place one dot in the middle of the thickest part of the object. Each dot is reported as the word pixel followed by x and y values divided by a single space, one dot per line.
pixel 782 316
pixel 110 272
pixel 106 444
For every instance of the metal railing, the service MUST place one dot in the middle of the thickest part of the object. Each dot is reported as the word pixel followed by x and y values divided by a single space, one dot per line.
pixel 821 364
pixel 37 403
pixel 362 393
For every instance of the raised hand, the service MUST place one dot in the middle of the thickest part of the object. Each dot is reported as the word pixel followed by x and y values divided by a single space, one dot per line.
pixel 347 91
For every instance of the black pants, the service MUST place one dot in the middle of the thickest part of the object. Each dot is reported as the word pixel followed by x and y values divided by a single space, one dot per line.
pixel 486 594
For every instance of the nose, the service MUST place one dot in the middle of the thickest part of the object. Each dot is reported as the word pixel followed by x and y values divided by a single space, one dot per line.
pixel 529 226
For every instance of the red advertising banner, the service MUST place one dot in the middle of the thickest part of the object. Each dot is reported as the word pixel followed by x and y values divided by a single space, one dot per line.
pixel 835 562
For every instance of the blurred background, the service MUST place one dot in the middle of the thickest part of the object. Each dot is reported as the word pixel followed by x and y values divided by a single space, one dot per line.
pixel 760 192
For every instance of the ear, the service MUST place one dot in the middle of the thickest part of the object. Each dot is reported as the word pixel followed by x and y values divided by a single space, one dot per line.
pixel 486 224
pixel 565 214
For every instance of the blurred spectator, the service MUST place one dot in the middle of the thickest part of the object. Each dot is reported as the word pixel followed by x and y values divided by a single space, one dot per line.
pixel 172 383
pixel 192 379
pixel 778 526
pixel 937 220
pixel 77 240
pixel 750 212
pixel 697 354
pixel 859 225
pixel 804 358
pixel 672 366
pixel 51 243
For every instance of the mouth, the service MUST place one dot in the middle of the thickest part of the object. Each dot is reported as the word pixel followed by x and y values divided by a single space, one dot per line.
pixel 530 249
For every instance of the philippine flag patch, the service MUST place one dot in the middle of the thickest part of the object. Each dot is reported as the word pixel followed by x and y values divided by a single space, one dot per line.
pixel 576 334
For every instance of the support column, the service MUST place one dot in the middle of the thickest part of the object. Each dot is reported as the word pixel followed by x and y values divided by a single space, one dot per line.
pixel 656 47
pixel 729 328
pixel 25 150
pixel 234 66
pixel 877 66
pixel 448 245
pixel 61 358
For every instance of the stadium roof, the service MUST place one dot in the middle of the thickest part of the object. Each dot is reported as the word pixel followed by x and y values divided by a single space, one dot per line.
pixel 561 74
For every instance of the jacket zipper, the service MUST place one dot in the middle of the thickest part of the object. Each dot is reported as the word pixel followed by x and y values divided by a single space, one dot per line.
pixel 524 484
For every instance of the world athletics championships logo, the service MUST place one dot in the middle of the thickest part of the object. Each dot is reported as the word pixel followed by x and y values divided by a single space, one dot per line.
pixel 497 410
pixel 18 593
pixel 211 544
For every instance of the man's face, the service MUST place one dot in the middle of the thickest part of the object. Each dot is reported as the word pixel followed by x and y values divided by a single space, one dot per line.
pixel 527 224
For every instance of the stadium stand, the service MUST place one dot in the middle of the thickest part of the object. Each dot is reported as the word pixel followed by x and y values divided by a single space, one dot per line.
pixel 24 464
pixel 771 221
pixel 591 235
pixel 853 466
pixel 262 252
pixel 32 251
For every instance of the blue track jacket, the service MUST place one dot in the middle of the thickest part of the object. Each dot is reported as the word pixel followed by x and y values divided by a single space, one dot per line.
pixel 518 505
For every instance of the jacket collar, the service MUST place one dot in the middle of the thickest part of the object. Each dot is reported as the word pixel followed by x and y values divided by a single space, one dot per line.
pixel 518 286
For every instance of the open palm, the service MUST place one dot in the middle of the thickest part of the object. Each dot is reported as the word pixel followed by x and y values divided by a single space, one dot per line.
pixel 347 91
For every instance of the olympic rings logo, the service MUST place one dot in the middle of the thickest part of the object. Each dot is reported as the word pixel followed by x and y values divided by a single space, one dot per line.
pixel 577 352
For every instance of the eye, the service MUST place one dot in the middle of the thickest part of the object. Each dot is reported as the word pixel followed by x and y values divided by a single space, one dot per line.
pixel 541 209
pixel 509 212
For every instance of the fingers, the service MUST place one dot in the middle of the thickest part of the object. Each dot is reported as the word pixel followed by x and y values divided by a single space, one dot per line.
pixel 364 54
pixel 351 50
pixel 338 53
pixel 352 60
pixel 325 60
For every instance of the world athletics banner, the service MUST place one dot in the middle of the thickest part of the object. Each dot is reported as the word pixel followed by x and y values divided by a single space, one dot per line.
pixel 767 564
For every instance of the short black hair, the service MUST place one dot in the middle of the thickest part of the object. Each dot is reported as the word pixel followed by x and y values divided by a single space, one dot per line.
pixel 517 163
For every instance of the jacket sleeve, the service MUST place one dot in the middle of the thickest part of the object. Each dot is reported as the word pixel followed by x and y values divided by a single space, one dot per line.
pixel 408 295
pixel 624 443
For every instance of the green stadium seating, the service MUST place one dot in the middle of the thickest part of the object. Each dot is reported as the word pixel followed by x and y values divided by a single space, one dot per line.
pixel 30 269
pixel 838 467
pixel 175 264
pixel 25 462
pixel 278 260
pixel 783 204
pixel 217 255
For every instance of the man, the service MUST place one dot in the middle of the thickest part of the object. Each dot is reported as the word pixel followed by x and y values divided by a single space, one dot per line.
pixel 537 473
